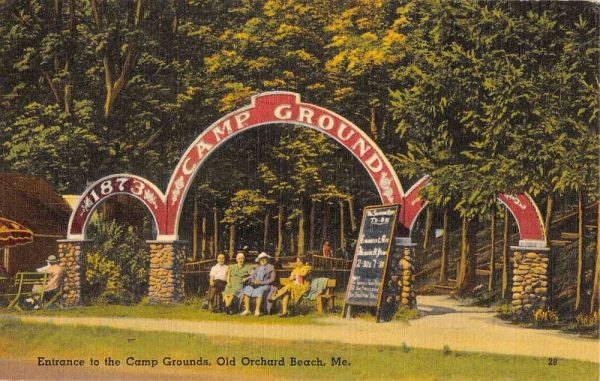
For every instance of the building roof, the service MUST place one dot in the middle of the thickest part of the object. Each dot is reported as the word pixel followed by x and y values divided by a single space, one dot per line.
pixel 32 202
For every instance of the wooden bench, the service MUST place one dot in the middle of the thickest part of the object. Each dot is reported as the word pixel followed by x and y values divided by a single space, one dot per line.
pixel 31 284
pixel 327 295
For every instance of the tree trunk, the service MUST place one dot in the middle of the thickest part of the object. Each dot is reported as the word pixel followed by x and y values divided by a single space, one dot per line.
pixel 215 232
pixel 352 219
pixel 596 282
pixel 549 209
pixel 468 260
pixel 373 125
pixel 428 223
pixel 444 256
pixel 231 241
pixel 266 230
pixel 292 248
pixel 342 232
pixel 580 207
pixel 492 251
pixel 195 231
pixel 311 233
pixel 203 242
pixel 460 276
pixel 324 231
pixel 279 230
pixel 505 260
pixel 300 251
pixel 114 88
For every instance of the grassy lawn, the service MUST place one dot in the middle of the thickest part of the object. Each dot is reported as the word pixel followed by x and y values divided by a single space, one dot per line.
pixel 190 310
pixel 20 341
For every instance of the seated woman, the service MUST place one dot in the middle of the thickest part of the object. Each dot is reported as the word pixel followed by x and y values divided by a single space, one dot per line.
pixel 297 286
pixel 259 283
pixel 235 280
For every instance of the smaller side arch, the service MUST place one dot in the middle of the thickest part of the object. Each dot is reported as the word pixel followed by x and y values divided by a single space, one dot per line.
pixel 135 186
pixel 411 207
pixel 521 206
pixel 529 219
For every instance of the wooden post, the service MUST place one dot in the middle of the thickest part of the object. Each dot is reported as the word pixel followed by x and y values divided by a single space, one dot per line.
pixel 351 209
pixel 215 231
pixel 279 230
pixel 292 248
pixel 300 251
pixel 342 233
pixel 195 231
pixel 596 282
pixel 492 251
pixel 203 242
pixel 444 256
pixel 266 230
pixel 580 207
pixel 311 233
pixel 325 221
pixel 428 223
pixel 549 208
pixel 505 255
pixel 231 240
pixel 460 275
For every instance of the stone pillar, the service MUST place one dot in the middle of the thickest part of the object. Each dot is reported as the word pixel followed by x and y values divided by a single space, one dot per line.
pixel 166 283
pixel 70 255
pixel 530 279
pixel 406 261
pixel 398 288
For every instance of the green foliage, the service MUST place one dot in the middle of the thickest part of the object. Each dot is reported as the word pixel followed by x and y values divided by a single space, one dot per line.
pixel 247 207
pixel 117 266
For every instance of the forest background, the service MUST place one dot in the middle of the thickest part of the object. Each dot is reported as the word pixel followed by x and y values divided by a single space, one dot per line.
pixel 484 97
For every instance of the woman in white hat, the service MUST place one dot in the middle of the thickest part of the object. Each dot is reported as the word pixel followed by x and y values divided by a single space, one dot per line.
pixel 259 283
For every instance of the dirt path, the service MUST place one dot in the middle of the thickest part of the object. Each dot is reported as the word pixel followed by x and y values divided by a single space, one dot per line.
pixel 445 322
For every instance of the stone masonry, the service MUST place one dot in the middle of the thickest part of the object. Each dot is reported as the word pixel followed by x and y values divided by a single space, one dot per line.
pixel 530 280
pixel 408 296
pixel 70 256
pixel 166 283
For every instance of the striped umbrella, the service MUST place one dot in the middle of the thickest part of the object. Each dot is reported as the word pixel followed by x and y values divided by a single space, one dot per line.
pixel 13 233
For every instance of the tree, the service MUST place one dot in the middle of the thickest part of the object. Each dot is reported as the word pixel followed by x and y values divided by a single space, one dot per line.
pixel 246 209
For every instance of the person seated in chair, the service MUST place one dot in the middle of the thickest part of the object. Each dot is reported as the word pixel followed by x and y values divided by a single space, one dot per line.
pixel 235 280
pixel 217 280
pixel 56 275
pixel 259 284
pixel 297 286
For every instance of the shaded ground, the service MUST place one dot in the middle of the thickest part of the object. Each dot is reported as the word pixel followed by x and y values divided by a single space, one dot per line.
pixel 445 323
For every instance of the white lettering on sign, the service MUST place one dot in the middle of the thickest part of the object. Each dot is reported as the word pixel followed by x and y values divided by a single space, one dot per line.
pixel 184 167
pixel 362 145
pixel 305 115
pixel 380 220
pixel 325 122
pixel 218 131
pixel 374 163
pixel 201 147
pixel 283 107
pixel 137 188
pixel 340 132
pixel 241 118
pixel 515 201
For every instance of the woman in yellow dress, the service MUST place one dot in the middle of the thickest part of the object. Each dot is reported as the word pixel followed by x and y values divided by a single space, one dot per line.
pixel 297 286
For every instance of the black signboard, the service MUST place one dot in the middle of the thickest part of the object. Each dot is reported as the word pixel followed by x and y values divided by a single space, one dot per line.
pixel 371 256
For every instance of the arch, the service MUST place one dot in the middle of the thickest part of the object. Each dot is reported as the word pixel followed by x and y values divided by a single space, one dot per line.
pixel 279 107
pixel 106 187
pixel 521 206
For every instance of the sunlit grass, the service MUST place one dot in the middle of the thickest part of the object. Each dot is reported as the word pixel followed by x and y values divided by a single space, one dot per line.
pixel 27 341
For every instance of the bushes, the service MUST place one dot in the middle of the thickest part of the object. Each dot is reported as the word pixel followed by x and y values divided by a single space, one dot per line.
pixel 116 266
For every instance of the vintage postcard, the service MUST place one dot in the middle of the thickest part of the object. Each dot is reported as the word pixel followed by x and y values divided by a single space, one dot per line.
pixel 299 190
